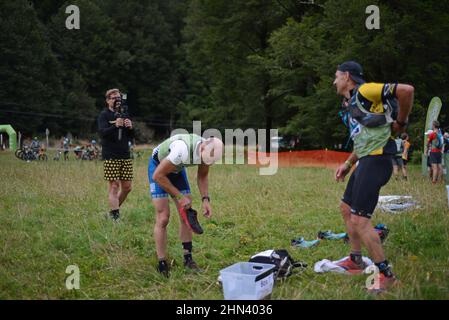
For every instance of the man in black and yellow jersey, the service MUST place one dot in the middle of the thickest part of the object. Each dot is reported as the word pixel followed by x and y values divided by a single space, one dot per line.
pixel 374 115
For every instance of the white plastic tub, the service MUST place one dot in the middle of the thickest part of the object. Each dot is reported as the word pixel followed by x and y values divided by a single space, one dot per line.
pixel 247 281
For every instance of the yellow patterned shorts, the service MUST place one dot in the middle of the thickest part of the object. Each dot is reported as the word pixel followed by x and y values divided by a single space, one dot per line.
pixel 118 169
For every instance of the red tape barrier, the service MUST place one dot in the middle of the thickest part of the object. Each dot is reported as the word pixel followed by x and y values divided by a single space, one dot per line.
pixel 312 158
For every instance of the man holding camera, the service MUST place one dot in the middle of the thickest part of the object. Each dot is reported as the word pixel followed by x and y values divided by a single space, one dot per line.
pixel 116 130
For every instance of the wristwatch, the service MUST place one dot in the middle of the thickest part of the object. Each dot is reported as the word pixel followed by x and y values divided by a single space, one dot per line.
pixel 204 198
pixel 348 163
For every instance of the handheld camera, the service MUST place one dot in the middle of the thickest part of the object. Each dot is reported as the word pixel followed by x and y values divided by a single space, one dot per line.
pixel 121 111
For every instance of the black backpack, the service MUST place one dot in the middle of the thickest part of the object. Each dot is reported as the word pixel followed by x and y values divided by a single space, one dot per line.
pixel 283 262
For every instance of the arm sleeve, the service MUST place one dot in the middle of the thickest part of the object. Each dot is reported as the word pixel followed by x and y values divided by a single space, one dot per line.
pixel 179 153
pixel 104 127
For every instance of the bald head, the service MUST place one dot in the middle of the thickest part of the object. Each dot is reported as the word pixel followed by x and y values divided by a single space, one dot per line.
pixel 211 150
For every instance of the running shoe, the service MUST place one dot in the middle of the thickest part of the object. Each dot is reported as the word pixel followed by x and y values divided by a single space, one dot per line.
pixel 190 217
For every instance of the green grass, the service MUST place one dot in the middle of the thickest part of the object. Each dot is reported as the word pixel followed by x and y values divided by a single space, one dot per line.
pixel 52 216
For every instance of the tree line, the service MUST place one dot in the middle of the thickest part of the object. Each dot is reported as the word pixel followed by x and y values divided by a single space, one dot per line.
pixel 229 63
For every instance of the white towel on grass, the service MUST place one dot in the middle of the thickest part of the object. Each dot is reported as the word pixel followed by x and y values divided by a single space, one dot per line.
pixel 396 204
pixel 326 265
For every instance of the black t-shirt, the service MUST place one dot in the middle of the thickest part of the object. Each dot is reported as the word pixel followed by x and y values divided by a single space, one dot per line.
pixel 112 147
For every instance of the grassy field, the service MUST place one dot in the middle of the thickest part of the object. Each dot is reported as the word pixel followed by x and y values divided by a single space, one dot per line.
pixel 52 216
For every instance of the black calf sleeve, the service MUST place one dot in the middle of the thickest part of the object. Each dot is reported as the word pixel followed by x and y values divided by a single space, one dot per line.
pixel 187 246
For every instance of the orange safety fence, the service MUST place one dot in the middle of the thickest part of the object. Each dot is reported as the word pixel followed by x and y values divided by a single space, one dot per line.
pixel 311 158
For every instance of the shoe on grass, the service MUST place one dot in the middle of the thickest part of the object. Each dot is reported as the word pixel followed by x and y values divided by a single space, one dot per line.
pixel 382 284
pixel 352 267
pixel 190 264
pixel 163 268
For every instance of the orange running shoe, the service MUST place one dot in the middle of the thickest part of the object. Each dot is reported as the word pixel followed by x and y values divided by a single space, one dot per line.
pixel 351 267
pixel 382 283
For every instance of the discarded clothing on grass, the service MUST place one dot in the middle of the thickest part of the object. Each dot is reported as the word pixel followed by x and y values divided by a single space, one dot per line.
pixel 329 235
pixel 300 242
pixel 381 229
pixel 396 204
pixel 326 265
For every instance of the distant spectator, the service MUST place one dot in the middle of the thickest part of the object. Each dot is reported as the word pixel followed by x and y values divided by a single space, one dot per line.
pixel 35 145
pixel 435 145
pixel 65 146
pixel 446 142
pixel 446 155
pixel 398 162
pixel 406 154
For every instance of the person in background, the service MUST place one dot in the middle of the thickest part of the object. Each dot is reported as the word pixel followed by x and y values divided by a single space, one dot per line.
pixel 435 144
pixel 35 145
pixel 65 147
pixel 398 162
pixel 406 154
pixel 115 132
pixel 446 155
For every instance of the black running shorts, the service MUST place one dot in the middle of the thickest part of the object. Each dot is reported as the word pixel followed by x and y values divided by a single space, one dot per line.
pixel 398 161
pixel 362 190
pixel 435 158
